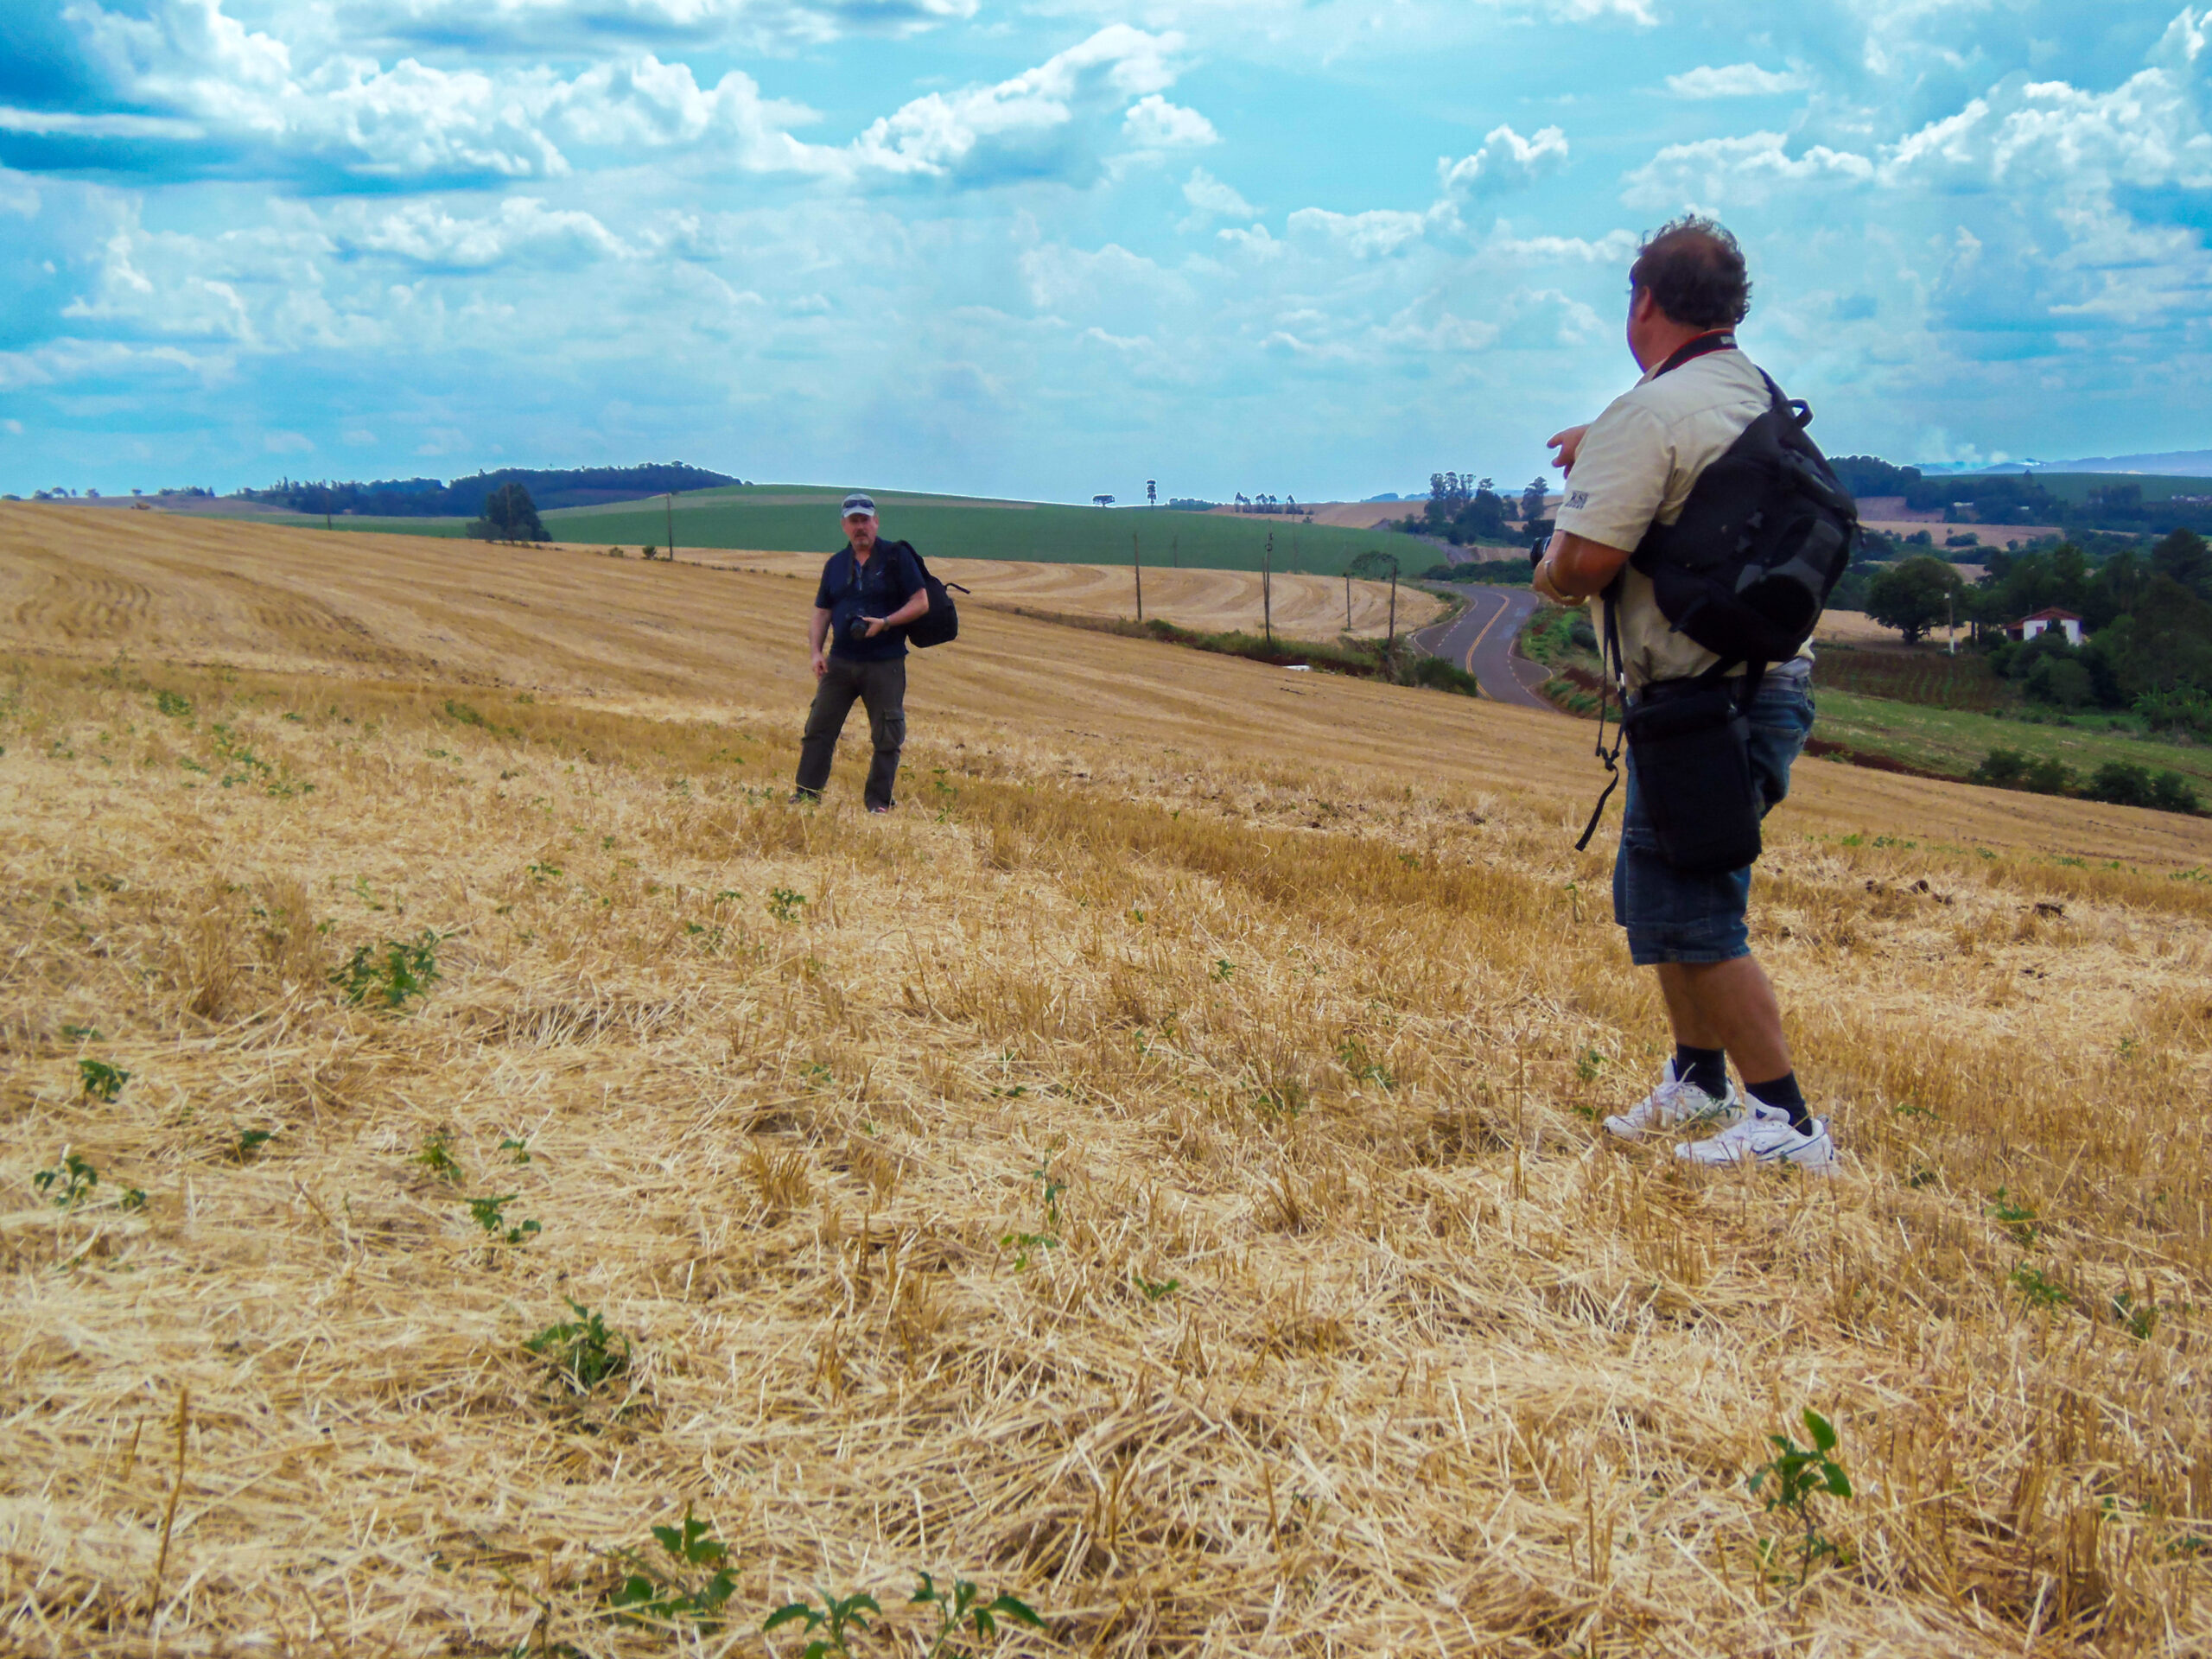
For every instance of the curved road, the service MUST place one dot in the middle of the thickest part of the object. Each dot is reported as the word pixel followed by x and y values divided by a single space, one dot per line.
pixel 1480 640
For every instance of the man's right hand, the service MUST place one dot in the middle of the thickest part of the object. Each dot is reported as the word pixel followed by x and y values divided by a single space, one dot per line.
pixel 1569 444
pixel 821 664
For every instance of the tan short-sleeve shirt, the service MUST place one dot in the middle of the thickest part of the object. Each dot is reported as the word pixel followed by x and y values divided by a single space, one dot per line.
pixel 1636 467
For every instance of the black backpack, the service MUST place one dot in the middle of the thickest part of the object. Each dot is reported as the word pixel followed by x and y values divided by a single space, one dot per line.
pixel 940 624
pixel 1765 535
pixel 1745 571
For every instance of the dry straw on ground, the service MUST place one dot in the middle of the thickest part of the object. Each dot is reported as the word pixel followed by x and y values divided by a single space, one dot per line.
pixel 1153 1174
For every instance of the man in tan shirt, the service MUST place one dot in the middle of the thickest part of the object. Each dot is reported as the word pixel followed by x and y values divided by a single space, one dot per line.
pixel 1633 467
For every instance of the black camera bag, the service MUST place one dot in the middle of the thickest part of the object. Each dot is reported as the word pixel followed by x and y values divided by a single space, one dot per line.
pixel 1689 753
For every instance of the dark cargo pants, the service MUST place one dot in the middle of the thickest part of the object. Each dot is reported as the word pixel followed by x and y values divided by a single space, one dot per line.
pixel 883 687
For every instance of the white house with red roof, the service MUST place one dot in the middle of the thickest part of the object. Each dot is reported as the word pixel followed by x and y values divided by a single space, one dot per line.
pixel 2029 626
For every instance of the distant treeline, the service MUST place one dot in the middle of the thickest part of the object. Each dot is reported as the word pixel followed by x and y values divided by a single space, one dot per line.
pixel 2016 499
pixel 432 497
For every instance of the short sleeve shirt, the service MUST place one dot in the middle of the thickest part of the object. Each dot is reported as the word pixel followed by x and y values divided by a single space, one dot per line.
pixel 1636 467
pixel 851 591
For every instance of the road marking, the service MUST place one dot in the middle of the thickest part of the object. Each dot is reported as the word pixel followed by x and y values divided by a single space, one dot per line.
pixel 1470 658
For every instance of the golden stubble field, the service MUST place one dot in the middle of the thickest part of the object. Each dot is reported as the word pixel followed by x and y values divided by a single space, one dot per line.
pixel 1152 1175
pixel 1304 607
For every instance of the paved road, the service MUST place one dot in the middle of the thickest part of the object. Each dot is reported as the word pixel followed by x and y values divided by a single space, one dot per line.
pixel 1481 641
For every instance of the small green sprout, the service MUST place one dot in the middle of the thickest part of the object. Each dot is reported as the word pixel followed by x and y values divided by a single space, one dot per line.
pixel 99 1080
pixel 68 1181
pixel 490 1214
pixel 1787 1484
pixel 834 1619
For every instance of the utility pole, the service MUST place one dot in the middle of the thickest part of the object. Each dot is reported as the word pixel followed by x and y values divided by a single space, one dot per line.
pixel 1950 626
pixel 1175 551
pixel 672 526
pixel 1347 599
pixel 1136 564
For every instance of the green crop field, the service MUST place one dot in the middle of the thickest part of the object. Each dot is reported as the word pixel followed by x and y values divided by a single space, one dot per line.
pixel 803 519
pixel 1952 741
pixel 771 518
pixel 2075 486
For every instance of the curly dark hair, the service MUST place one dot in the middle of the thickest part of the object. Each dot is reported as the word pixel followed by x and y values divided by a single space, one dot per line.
pixel 1694 270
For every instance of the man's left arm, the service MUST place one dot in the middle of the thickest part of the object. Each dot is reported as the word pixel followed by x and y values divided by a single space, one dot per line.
pixel 917 605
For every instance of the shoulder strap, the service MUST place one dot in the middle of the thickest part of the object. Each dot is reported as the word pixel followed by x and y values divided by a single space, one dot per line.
pixel 1614 673
pixel 1721 339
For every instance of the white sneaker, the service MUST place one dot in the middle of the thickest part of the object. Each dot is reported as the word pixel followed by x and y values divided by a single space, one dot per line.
pixel 1766 1137
pixel 1676 1104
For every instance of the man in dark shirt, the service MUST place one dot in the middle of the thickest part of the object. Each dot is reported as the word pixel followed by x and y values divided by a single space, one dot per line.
pixel 869 594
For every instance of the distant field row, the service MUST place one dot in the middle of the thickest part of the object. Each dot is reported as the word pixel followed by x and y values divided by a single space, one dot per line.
pixel 794 519
pixel 1952 741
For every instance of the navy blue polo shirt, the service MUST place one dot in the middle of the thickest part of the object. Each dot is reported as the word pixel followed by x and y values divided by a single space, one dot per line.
pixel 850 589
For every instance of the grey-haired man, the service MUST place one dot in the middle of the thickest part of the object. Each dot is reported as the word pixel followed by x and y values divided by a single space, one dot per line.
pixel 870 592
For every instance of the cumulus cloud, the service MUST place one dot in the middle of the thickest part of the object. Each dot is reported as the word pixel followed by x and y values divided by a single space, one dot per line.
pixel 1718 173
pixel 1052 122
pixel 532 26
pixel 2146 133
pixel 1365 236
pixel 1735 81
pixel 1211 199
pixel 521 230
pixel 1506 161
pixel 1154 123
pixel 236 98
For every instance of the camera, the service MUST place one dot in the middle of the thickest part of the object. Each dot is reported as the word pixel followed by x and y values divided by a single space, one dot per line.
pixel 857 627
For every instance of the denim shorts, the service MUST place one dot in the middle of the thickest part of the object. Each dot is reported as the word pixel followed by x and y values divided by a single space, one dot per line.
pixel 1673 917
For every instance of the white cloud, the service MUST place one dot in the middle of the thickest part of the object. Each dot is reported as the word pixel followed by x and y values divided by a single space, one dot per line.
pixel 1046 123
pixel 67 125
pixel 1718 173
pixel 534 25
pixel 1737 81
pixel 2146 133
pixel 1154 123
pixel 359 436
pixel 1506 161
pixel 287 443
pixel 521 230
pixel 66 359
pixel 13 428
pixel 1583 11
pixel 1365 236
pixel 1211 199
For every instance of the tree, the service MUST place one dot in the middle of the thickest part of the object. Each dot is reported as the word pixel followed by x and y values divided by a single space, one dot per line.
pixel 1532 499
pixel 509 516
pixel 2183 556
pixel 1913 596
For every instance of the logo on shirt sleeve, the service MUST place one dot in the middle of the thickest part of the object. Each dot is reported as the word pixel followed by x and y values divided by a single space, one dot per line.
pixel 1577 500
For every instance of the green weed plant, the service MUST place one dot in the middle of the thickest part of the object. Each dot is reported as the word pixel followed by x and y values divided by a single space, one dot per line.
pixel 1788 1484
pixel 387 974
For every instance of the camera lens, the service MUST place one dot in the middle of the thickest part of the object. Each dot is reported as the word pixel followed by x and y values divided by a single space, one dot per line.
pixel 859 628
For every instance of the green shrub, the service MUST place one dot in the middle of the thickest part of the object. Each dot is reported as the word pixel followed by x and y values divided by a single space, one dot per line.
pixel 2000 769
pixel 2171 792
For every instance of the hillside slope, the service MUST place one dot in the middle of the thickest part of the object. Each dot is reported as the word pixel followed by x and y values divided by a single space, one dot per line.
pixel 1152 1174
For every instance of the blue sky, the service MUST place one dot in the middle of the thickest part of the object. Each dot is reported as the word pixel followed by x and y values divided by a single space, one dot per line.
pixel 1049 248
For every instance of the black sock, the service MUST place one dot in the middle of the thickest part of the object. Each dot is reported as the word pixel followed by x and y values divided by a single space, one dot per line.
pixel 1705 1067
pixel 1784 1095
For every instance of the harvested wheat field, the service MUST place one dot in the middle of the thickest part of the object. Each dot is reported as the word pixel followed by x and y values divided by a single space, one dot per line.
pixel 1152 1176
pixel 1303 607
